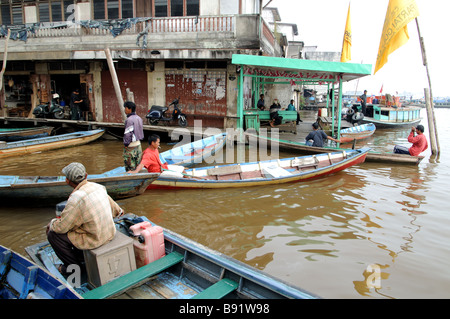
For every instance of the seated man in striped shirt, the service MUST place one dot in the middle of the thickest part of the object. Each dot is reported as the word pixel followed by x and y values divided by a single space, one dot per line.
pixel 87 220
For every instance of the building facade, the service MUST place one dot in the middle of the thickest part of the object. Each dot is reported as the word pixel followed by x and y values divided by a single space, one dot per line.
pixel 161 50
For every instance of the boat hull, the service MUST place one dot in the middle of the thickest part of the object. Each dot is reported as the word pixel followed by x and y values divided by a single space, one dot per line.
pixel 372 156
pixel 49 143
pixel 23 279
pixel 189 270
pixel 233 180
pixel 357 132
pixel 54 189
pixel 195 152
pixel 385 124
pixel 9 135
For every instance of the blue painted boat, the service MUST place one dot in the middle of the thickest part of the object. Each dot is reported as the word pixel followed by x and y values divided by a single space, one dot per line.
pixel 118 183
pixel 48 143
pixel 194 152
pixel 391 117
pixel 23 279
pixel 53 189
pixel 188 270
pixel 357 132
pixel 18 134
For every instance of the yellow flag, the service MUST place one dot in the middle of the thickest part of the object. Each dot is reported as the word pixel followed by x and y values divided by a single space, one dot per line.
pixel 346 54
pixel 395 29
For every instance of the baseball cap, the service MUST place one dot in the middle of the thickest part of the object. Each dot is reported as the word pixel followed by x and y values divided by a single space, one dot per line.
pixel 75 172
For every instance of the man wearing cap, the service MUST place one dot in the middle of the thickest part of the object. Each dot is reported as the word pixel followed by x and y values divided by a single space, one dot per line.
pixel 419 141
pixel 87 220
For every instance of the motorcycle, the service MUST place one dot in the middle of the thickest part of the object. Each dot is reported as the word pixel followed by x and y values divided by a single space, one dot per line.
pixel 158 113
pixel 50 110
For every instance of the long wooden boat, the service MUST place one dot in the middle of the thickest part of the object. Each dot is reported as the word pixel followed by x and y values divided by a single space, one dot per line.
pixel 17 134
pixel 48 143
pixel 268 172
pixel 389 117
pixel 195 152
pixel 357 132
pixel 53 189
pixel 372 156
pixel 23 279
pixel 188 270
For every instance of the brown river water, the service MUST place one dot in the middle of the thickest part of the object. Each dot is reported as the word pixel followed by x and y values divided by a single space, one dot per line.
pixel 371 231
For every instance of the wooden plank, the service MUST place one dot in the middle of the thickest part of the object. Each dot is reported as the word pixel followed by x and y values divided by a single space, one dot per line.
pixel 219 290
pixel 225 170
pixel 126 281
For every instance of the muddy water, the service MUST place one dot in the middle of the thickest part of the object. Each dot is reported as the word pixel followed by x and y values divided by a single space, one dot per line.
pixel 371 231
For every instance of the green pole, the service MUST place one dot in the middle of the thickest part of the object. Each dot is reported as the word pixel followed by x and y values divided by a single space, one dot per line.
pixel 240 104
pixel 339 109
pixel 332 109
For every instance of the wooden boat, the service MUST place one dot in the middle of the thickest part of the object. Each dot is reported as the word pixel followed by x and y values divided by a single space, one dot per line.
pixel 268 172
pixel 48 143
pixel 191 153
pixel 23 279
pixel 372 156
pixel 17 134
pixel 53 189
pixel 358 132
pixel 188 270
pixel 389 117
pixel 195 152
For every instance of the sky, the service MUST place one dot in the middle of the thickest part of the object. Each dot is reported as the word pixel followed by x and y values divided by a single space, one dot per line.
pixel 321 23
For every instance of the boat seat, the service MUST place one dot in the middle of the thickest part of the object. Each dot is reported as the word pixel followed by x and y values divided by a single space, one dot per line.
pixel 225 170
pixel 304 162
pixel 219 290
pixel 128 280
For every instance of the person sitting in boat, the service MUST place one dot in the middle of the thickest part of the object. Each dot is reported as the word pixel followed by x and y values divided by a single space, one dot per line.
pixel 419 141
pixel 152 162
pixel 275 118
pixel 316 137
pixel 150 158
pixel 86 221
pixel 291 107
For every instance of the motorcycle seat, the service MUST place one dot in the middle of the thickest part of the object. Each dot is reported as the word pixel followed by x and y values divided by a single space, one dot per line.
pixel 158 108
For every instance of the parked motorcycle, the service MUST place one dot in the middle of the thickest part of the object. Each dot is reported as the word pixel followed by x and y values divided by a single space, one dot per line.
pixel 50 110
pixel 158 114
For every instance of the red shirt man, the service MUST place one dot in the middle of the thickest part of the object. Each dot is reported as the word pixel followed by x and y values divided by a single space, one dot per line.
pixel 150 157
pixel 419 141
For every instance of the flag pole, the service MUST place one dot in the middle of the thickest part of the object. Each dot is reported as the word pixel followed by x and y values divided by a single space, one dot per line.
pixel 434 141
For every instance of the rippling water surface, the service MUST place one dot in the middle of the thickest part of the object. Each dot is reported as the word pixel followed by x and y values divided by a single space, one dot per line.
pixel 371 231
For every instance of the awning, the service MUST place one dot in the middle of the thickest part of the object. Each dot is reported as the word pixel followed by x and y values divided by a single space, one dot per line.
pixel 304 69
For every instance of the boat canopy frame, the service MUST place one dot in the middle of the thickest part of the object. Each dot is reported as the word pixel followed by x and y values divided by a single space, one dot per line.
pixel 295 70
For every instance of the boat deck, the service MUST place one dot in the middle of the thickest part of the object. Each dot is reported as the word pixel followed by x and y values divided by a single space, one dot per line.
pixel 162 286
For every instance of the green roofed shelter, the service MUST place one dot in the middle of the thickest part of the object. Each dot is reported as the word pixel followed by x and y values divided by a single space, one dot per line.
pixel 293 71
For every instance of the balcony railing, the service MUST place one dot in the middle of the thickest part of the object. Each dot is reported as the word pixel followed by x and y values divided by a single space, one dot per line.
pixel 125 26
pixel 202 32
